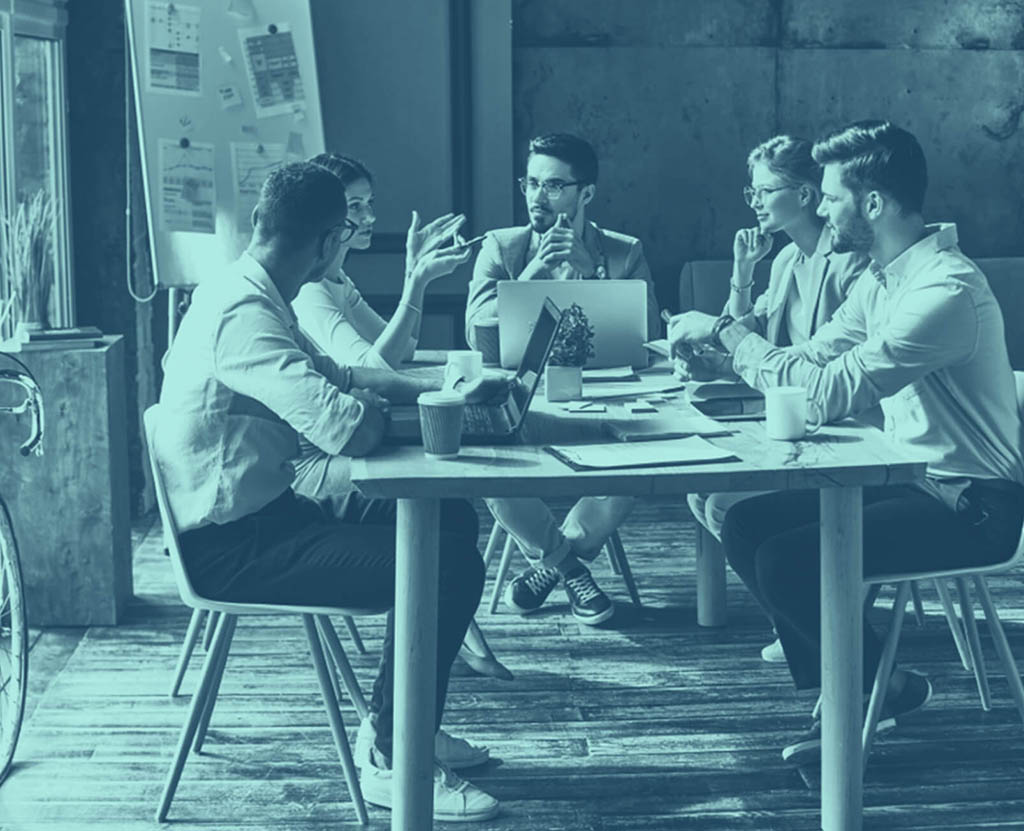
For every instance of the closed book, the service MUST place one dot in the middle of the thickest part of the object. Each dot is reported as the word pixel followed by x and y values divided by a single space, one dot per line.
pixel 69 333
pixel 703 391
pixel 718 407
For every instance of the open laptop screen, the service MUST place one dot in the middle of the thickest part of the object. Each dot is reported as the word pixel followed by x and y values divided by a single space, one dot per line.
pixel 535 355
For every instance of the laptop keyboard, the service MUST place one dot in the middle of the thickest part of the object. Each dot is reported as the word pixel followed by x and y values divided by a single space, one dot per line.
pixel 480 419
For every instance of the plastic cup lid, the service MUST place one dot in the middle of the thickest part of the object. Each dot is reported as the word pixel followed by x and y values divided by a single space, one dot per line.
pixel 441 398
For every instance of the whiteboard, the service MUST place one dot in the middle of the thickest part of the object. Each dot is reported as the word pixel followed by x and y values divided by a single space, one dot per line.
pixel 225 91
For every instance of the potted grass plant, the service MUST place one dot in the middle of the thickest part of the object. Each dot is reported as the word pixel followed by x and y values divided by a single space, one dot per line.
pixel 26 257
pixel 574 343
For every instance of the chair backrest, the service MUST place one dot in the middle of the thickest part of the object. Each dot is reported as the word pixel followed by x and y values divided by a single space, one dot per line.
pixel 150 420
pixel 1005 277
pixel 704 284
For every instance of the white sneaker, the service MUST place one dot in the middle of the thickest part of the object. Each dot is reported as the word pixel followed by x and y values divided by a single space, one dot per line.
pixel 773 653
pixel 456 753
pixel 455 799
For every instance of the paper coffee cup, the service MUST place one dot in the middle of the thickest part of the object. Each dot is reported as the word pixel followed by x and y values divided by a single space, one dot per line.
pixel 463 363
pixel 441 422
pixel 485 334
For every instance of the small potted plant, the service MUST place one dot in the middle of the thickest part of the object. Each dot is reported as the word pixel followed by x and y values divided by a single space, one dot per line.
pixel 574 343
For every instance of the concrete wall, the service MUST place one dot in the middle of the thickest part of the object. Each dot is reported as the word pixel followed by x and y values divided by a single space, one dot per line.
pixel 674 93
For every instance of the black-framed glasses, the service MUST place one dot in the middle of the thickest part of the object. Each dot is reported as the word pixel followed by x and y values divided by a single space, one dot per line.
pixel 752 195
pixel 348 230
pixel 552 187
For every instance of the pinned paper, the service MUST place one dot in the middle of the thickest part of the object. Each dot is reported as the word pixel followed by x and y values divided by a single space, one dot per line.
pixel 296 149
pixel 251 164
pixel 230 99
pixel 272 68
pixel 187 186
pixel 172 37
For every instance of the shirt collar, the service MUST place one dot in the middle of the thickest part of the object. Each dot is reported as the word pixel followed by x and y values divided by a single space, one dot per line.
pixel 939 236
pixel 250 269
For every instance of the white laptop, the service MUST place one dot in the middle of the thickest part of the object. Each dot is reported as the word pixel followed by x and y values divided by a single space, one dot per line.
pixel 616 309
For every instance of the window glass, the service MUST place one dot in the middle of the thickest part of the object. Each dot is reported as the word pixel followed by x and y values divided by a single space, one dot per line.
pixel 32 229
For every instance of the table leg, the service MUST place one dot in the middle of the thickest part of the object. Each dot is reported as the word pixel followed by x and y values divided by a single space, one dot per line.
pixel 842 659
pixel 711 602
pixel 416 548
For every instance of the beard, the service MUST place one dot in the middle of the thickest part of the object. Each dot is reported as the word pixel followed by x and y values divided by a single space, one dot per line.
pixel 855 235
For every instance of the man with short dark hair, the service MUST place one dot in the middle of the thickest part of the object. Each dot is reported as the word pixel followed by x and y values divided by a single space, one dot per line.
pixel 558 244
pixel 241 386
pixel 922 334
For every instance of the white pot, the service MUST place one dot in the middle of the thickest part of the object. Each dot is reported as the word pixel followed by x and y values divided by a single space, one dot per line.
pixel 563 383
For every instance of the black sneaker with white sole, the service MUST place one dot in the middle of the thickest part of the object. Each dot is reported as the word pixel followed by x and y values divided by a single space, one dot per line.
pixel 916 692
pixel 527 592
pixel 588 603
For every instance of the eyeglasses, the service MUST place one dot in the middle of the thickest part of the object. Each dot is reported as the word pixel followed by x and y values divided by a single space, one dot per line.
pixel 348 228
pixel 752 195
pixel 552 187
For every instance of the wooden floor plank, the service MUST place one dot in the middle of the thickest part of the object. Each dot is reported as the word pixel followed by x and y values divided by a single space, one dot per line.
pixel 649 722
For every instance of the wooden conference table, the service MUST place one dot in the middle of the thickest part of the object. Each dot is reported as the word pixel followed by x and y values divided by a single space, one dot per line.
pixel 839 460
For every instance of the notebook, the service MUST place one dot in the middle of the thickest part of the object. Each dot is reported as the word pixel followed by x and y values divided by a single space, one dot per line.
pixel 666 452
pixel 497 423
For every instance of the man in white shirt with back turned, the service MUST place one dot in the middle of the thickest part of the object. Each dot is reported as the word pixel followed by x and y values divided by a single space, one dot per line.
pixel 241 386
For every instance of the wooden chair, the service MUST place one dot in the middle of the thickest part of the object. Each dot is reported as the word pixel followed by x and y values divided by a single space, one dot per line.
pixel 319 632
pixel 613 547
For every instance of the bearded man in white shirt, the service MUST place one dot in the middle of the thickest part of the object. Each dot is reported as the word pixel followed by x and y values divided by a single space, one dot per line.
pixel 921 334
pixel 241 386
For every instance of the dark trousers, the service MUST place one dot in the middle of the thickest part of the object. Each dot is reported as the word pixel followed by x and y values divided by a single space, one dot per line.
pixel 293 552
pixel 773 543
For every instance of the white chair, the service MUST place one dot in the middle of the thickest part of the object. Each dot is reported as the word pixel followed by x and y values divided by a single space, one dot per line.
pixel 971 645
pixel 613 547
pixel 315 620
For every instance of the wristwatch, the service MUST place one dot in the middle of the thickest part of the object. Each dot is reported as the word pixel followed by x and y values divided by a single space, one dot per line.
pixel 716 330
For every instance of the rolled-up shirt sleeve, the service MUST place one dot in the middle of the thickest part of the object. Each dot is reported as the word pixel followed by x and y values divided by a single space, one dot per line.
pixel 257 355
pixel 846 370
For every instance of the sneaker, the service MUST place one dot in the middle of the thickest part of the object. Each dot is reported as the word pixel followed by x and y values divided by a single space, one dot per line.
pixel 454 752
pixel 806 750
pixel 916 692
pixel 527 592
pixel 589 604
pixel 773 653
pixel 455 799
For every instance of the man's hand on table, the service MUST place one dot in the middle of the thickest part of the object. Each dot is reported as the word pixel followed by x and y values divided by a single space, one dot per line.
pixel 689 329
pixel 376 418
pixel 706 365
pixel 490 388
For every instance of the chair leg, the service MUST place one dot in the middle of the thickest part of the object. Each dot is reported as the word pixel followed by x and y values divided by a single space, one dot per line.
pixel 915 594
pixel 872 595
pixel 340 661
pixel 499 578
pixel 353 633
pixel 884 672
pixel 478 655
pixel 612 559
pixel 211 701
pixel 956 629
pixel 334 717
pixel 493 541
pixel 1002 645
pixel 618 553
pixel 196 709
pixel 974 642
pixel 189 645
pixel 211 623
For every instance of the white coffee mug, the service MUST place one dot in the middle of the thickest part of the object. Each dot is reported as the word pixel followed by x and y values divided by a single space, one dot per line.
pixel 786 413
pixel 467 364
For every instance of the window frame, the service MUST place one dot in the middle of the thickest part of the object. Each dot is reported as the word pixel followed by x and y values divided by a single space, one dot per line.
pixel 45 20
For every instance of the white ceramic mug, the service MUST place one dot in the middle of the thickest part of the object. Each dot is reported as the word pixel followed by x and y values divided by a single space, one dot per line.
pixel 786 413
pixel 463 363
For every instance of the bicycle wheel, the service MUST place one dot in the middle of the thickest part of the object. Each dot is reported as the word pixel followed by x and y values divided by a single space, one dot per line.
pixel 13 644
